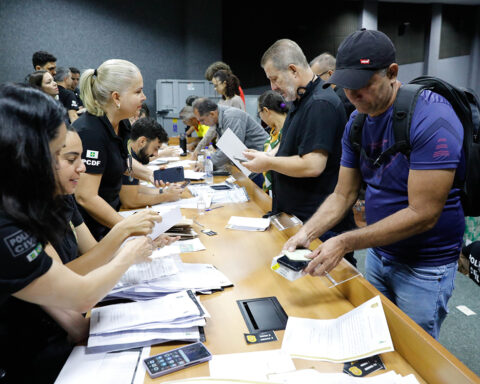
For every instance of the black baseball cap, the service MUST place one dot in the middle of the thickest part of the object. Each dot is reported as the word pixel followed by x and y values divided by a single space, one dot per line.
pixel 359 56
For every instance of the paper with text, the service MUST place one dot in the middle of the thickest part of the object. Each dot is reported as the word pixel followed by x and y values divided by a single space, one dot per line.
pixel 360 333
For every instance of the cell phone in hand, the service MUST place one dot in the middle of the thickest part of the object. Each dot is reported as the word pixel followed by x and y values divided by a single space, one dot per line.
pixel 295 265
pixel 176 359
pixel 241 159
pixel 169 175
pixel 184 185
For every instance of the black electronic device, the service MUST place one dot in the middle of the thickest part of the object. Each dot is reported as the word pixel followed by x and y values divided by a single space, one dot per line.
pixel 241 159
pixel 185 183
pixel 263 314
pixel 176 359
pixel 220 187
pixel 295 265
pixel 220 172
pixel 169 175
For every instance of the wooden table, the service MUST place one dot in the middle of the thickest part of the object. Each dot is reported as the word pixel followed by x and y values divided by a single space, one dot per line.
pixel 245 257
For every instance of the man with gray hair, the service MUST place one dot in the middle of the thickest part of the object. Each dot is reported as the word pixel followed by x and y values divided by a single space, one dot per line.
pixel 66 96
pixel 220 118
pixel 324 66
pixel 305 167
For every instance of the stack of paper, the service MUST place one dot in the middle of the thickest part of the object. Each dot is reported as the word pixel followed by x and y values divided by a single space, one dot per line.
pixel 106 368
pixel 200 278
pixel 122 326
pixel 311 376
pixel 156 269
pixel 248 223
pixel 358 334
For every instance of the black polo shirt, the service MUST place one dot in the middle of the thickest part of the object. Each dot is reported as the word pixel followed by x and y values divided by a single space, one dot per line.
pixel 67 248
pixel 67 98
pixel 315 122
pixel 77 95
pixel 105 153
pixel 22 260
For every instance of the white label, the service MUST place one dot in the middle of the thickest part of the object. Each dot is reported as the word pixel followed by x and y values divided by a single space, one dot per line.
pixel 464 309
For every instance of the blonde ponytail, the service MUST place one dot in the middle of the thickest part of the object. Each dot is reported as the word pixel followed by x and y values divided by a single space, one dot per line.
pixel 96 86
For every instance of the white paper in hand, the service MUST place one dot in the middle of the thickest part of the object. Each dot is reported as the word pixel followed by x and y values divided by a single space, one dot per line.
pixel 233 147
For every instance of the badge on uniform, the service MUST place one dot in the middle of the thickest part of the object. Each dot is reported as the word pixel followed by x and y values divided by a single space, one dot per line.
pixel 260 337
pixel 363 367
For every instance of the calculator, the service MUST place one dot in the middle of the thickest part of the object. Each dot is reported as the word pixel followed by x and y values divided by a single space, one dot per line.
pixel 176 359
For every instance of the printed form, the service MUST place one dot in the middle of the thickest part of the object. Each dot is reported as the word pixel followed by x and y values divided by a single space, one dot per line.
pixel 360 333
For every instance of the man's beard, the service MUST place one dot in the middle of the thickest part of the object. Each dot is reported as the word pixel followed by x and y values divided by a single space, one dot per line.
pixel 143 157
pixel 290 93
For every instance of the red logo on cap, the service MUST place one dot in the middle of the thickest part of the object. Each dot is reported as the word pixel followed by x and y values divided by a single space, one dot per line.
pixel 364 61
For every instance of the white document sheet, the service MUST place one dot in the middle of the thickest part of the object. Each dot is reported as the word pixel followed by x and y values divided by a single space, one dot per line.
pixel 233 147
pixel 112 318
pixel 133 339
pixel 312 376
pixel 143 272
pixel 360 333
pixel 106 368
pixel 170 216
pixel 251 365
pixel 182 203
pixel 192 175
pixel 248 223
pixel 183 246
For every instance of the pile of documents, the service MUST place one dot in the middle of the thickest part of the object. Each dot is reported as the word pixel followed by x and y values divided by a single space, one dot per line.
pixel 177 316
pixel 360 333
pixel 171 276
pixel 248 223
pixel 107 368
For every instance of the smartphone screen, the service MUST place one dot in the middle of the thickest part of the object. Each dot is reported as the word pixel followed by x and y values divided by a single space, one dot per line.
pixel 169 175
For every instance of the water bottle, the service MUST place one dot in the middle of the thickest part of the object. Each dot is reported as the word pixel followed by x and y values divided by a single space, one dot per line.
pixel 206 153
pixel 209 170
pixel 201 204
pixel 183 143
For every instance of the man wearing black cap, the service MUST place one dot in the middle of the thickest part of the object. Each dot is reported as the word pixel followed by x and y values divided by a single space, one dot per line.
pixel 414 215
pixel 305 167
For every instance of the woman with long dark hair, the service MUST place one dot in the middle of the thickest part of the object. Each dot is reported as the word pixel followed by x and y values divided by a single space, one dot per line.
pixel 227 85
pixel 44 81
pixel 32 135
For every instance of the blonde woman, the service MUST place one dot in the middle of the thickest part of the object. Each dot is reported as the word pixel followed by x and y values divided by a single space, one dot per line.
pixel 111 94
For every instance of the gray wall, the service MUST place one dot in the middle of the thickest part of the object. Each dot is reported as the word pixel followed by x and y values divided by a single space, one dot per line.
pixel 165 39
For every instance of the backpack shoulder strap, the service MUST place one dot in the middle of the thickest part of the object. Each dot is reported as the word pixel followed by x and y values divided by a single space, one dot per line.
pixel 403 109
pixel 355 134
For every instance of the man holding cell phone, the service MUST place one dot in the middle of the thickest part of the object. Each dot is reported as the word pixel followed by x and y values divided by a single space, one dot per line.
pixel 147 136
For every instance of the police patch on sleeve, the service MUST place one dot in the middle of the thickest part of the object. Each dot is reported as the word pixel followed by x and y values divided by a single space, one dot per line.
pixel 21 243
pixel 92 154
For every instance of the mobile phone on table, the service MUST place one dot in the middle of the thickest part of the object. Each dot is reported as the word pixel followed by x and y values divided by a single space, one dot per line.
pixel 220 187
pixel 169 175
pixel 176 359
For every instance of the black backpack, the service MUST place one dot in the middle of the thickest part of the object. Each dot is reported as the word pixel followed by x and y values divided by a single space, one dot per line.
pixel 466 104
